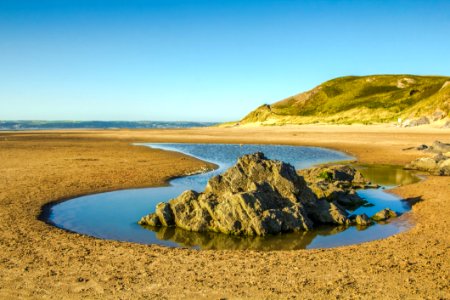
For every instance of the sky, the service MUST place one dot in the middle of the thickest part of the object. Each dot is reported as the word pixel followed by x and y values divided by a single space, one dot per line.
pixel 202 60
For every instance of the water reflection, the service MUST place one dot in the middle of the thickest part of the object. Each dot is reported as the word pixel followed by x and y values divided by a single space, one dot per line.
pixel 114 215
pixel 387 176
pixel 322 237
pixel 219 241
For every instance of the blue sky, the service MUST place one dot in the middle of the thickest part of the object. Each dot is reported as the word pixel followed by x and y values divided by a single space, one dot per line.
pixel 200 60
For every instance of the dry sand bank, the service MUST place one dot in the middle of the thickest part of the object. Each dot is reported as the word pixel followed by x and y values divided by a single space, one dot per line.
pixel 40 261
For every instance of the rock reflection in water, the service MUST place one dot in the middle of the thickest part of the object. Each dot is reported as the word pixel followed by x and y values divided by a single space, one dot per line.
pixel 320 237
pixel 387 175
pixel 113 215
pixel 220 241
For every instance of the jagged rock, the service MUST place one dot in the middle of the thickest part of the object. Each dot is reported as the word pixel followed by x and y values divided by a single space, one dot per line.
pixel 338 174
pixel 362 220
pixel 150 220
pixel 423 164
pixel 384 214
pixel 437 165
pixel 438 146
pixel 422 147
pixel 329 213
pixel 164 213
pixel 438 115
pixel 257 196
pixel 415 122
pixel 444 167
pixel 337 183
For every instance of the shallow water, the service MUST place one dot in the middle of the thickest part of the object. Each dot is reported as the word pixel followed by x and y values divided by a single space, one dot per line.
pixel 114 215
pixel 46 125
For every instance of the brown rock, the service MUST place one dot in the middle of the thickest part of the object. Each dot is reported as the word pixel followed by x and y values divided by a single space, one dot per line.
pixel 437 165
pixel 336 183
pixel 363 220
pixel 384 214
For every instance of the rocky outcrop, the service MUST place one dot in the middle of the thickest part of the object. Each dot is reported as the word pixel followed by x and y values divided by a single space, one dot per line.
pixel 415 122
pixel 384 215
pixel 337 183
pixel 439 147
pixel 438 115
pixel 437 165
pixel 436 147
pixel 257 196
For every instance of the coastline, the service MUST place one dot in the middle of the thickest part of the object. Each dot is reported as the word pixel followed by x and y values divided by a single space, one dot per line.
pixel 150 271
pixel 221 166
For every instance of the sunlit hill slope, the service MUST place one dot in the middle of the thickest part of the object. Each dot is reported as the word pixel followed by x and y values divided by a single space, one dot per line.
pixel 407 99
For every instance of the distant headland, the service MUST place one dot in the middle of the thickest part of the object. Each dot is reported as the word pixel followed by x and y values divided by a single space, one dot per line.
pixel 408 100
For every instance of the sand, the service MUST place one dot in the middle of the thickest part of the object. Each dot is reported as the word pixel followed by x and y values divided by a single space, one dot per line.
pixel 41 261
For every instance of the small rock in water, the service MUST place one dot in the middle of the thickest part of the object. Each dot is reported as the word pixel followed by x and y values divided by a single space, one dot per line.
pixel 384 214
pixel 363 220
pixel 150 220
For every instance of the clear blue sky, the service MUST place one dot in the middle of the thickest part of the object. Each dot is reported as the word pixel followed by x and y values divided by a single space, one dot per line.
pixel 208 60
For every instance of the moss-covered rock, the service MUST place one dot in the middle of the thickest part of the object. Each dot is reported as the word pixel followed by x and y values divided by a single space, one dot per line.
pixel 384 215
pixel 337 183
pixel 362 220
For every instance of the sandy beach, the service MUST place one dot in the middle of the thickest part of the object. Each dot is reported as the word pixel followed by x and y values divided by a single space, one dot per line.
pixel 38 260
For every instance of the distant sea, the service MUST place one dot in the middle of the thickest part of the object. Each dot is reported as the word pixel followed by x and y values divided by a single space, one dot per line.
pixel 42 125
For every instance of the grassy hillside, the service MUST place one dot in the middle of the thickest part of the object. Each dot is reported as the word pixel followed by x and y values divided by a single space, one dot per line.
pixel 361 99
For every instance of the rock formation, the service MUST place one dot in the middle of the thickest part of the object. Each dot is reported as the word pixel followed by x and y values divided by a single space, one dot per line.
pixel 439 147
pixel 337 183
pixel 257 196
pixel 415 122
pixel 437 165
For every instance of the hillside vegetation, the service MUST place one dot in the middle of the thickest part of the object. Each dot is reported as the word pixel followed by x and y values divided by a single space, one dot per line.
pixel 362 99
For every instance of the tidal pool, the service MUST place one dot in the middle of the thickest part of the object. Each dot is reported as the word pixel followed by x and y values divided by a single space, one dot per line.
pixel 114 215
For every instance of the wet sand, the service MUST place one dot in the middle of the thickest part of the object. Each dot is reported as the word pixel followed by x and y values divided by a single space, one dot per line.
pixel 41 261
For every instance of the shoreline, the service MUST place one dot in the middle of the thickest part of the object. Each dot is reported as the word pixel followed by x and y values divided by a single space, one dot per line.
pixel 46 208
pixel 52 165
pixel 44 214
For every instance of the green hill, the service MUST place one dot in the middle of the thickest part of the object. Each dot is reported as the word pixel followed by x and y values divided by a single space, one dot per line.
pixel 362 99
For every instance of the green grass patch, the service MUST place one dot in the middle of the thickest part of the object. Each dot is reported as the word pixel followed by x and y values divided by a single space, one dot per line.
pixel 361 99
